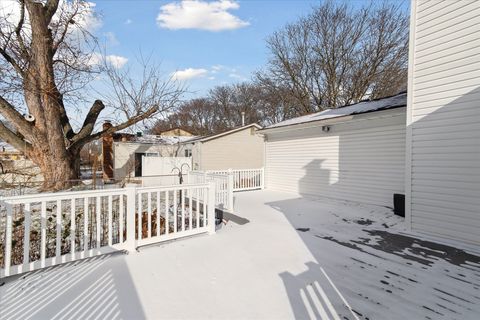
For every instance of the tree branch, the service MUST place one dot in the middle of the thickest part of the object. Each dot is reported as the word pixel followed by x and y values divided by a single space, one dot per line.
pixel 12 61
pixel 18 29
pixel 14 139
pixel 12 115
pixel 90 119
pixel 67 127
pixel 81 142
pixel 51 7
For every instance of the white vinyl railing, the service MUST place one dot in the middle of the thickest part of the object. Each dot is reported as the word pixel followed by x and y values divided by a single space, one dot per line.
pixel 41 230
pixel 223 187
pixel 243 179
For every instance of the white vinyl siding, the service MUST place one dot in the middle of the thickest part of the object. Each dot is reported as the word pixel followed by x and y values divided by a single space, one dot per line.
pixel 443 167
pixel 124 155
pixel 362 160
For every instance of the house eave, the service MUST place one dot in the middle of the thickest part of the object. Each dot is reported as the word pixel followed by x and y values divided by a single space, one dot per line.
pixel 334 120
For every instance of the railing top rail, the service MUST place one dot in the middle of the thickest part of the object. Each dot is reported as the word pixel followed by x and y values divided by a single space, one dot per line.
pixel 218 175
pixel 157 176
pixel 231 170
pixel 38 197
pixel 173 187
pixel 196 172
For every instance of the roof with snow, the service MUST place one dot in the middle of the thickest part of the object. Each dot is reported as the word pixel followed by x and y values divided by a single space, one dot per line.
pixel 156 139
pixel 399 100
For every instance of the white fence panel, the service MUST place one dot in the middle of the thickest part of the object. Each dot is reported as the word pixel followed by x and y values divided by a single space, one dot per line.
pixel 223 187
pixel 166 213
pixel 244 179
pixel 157 165
pixel 41 230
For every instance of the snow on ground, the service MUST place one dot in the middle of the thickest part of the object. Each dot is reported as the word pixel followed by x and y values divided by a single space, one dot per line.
pixel 295 258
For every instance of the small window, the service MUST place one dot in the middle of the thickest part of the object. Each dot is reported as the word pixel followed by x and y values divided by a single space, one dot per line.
pixel 188 153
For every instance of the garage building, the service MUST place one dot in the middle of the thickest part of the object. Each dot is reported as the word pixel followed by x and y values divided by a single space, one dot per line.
pixel 353 153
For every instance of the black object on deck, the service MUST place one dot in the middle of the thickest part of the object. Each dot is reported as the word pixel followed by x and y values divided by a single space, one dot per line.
pixel 399 204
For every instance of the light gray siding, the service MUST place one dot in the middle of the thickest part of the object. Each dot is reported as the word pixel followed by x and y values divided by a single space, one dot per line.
pixel 361 160
pixel 443 153
pixel 243 149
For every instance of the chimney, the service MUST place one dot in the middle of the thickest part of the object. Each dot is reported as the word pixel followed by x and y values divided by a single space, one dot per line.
pixel 107 153
pixel 243 118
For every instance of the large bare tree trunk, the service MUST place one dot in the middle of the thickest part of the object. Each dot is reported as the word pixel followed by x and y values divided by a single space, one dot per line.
pixel 46 65
pixel 60 174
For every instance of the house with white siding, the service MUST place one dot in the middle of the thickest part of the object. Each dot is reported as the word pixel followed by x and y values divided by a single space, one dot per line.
pixel 239 148
pixel 353 153
pixel 128 156
pixel 442 181
pixel 426 145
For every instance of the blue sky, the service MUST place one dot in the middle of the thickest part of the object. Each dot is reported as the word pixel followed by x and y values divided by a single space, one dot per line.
pixel 226 54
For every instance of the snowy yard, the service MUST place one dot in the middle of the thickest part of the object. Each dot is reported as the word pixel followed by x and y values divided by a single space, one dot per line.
pixel 295 258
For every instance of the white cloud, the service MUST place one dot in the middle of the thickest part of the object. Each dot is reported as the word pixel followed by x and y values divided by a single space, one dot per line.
pixel 189 73
pixel 128 21
pixel 116 61
pixel 111 39
pixel 196 14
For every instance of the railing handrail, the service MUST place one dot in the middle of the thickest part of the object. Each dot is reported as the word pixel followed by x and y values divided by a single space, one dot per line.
pixel 62 195
pixel 244 179
pixel 173 187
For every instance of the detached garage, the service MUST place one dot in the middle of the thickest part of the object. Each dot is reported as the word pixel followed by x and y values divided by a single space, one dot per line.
pixel 353 153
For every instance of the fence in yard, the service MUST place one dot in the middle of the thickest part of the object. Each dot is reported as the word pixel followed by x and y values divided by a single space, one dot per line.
pixel 243 179
pixel 41 230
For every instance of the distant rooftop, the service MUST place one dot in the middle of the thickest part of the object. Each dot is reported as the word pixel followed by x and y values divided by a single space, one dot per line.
pixel 156 139
pixel 399 100
pixel 218 135
pixel 5 147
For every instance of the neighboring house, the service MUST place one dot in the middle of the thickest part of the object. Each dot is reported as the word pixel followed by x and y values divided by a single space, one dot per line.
pixel 16 169
pixel 7 152
pixel 240 148
pixel 354 153
pixel 127 155
pixel 443 120
pixel 176 132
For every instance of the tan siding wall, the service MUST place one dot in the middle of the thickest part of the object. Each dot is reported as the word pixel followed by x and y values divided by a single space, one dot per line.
pixel 360 161
pixel 444 121
pixel 239 150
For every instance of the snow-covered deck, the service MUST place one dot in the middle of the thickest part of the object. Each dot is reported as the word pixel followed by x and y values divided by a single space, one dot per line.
pixel 295 258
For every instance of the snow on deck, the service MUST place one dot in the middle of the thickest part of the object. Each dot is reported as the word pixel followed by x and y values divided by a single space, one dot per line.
pixel 295 258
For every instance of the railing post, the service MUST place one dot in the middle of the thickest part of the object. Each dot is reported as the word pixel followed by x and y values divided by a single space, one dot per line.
pixel 262 178
pixel 211 207
pixel 8 238
pixel 130 243
pixel 230 190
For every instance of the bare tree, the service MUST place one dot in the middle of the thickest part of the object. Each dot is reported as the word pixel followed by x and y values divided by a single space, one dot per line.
pixel 46 59
pixel 222 109
pixel 339 55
